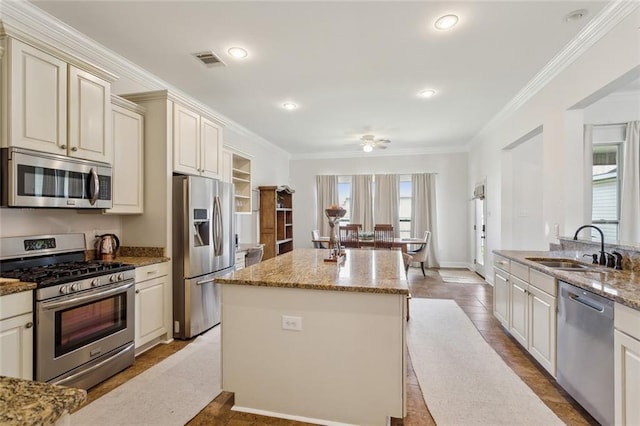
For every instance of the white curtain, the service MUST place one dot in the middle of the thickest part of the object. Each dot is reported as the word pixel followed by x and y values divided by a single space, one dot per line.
pixel 326 195
pixel 423 212
pixel 362 201
pixel 630 187
pixel 387 200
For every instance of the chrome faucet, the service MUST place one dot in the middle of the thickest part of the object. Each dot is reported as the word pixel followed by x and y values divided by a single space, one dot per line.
pixel 603 257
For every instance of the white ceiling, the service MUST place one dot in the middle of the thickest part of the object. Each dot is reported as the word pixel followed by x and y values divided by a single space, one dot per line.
pixel 352 67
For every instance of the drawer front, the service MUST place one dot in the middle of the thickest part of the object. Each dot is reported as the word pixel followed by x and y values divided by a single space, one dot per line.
pixel 16 304
pixel 627 320
pixel 148 272
pixel 543 282
pixel 501 262
pixel 519 270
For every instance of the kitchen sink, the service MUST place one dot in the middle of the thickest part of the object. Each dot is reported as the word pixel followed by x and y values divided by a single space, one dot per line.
pixel 562 264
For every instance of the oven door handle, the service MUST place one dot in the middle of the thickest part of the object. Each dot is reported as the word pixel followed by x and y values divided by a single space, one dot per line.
pixel 70 379
pixel 86 298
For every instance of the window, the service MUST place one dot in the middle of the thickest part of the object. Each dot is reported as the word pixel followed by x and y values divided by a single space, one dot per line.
pixel 344 197
pixel 404 209
pixel 605 211
pixel 404 213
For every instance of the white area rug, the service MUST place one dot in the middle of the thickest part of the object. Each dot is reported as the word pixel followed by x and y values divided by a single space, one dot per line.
pixel 463 380
pixel 169 393
pixel 457 276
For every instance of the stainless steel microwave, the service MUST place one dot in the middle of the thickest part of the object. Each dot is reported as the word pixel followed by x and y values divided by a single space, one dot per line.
pixel 37 179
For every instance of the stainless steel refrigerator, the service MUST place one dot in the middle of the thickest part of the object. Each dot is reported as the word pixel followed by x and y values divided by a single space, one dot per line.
pixel 202 250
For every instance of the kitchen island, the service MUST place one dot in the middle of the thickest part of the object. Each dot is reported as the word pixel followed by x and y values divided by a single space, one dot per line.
pixel 317 341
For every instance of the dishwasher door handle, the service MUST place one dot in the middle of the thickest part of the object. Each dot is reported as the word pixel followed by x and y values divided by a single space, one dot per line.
pixel 586 302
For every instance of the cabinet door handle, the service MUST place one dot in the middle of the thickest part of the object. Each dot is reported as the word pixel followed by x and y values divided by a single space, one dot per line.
pixel 74 148
pixel 63 147
pixel 28 325
pixel 137 291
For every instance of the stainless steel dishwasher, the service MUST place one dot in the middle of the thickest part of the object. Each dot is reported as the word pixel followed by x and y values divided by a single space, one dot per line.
pixel 585 350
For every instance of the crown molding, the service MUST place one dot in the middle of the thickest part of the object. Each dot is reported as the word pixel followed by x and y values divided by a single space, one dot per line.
pixel 27 20
pixel 381 153
pixel 611 15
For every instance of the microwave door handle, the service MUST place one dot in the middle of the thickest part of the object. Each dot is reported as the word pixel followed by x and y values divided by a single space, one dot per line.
pixel 96 186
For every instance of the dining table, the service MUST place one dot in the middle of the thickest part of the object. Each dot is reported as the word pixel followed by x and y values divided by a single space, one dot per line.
pixel 401 243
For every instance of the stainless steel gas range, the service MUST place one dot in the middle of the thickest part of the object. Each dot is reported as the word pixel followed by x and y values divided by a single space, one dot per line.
pixel 84 310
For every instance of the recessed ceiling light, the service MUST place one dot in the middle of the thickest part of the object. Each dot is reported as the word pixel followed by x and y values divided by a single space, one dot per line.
pixel 446 22
pixel 289 106
pixel 238 52
pixel 575 15
pixel 427 93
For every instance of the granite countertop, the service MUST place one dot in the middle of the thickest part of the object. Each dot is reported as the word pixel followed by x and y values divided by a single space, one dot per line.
pixel 10 286
pixel 139 261
pixel 26 402
pixel 366 271
pixel 620 286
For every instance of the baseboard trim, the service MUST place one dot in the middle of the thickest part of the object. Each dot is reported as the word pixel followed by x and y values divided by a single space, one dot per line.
pixel 287 416
pixel 456 265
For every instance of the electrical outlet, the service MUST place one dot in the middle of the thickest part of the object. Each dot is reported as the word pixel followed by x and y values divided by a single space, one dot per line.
pixel 291 323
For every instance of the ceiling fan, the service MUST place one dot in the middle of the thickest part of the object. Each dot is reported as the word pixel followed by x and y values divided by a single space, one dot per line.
pixel 368 142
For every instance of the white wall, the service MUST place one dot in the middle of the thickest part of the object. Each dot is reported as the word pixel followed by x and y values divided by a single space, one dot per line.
pixel 19 222
pixel 452 195
pixel 563 184
pixel 525 209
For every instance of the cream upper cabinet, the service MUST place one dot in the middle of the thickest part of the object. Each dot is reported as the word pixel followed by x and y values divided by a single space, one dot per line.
pixel 197 143
pixel 89 117
pixel 55 106
pixel 128 160
pixel 37 99
pixel 210 148
pixel 227 166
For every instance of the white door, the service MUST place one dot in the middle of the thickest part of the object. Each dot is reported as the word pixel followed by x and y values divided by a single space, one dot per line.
pixel 480 236
pixel 16 347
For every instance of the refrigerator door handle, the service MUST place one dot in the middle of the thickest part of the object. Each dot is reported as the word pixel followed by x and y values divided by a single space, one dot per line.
pixel 218 230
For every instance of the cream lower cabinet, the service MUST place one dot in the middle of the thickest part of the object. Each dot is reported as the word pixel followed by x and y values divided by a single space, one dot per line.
pixel 16 335
pixel 531 311
pixel 501 290
pixel 627 365
pixel 55 106
pixel 128 158
pixel 153 306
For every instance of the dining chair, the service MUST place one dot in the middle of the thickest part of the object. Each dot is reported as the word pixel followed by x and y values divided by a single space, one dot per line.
pixel 315 235
pixel 349 237
pixel 254 255
pixel 383 236
pixel 421 253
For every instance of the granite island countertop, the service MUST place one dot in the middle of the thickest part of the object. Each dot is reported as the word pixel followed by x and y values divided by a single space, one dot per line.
pixel 27 402
pixel 365 271
pixel 620 286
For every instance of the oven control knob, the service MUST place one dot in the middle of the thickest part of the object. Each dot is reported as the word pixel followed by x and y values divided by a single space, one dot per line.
pixel 64 289
pixel 120 276
pixel 113 278
pixel 75 287
pixel 95 282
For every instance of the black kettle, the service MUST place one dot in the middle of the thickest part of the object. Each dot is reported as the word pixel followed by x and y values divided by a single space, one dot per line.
pixel 107 246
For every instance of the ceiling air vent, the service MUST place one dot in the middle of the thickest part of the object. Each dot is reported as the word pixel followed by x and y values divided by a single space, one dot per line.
pixel 209 59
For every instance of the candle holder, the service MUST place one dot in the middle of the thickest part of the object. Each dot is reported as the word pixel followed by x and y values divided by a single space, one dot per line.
pixel 335 251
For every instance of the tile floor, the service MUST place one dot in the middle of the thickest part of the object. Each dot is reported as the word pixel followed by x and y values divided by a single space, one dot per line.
pixel 475 299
